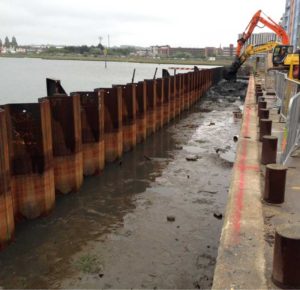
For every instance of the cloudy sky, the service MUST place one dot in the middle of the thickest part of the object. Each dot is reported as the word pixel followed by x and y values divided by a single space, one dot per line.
pixel 193 23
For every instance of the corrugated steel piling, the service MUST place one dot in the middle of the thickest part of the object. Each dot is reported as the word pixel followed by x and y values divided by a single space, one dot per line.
pixel 129 116
pixel 178 95
pixel 141 108
pixel 166 100
pixel 159 89
pixel 92 128
pixel 67 142
pixel 113 129
pixel 172 97
pixel 52 144
pixel 31 159
pixel 7 223
pixel 151 105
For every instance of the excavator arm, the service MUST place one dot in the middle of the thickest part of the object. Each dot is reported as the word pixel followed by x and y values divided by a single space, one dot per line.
pixel 230 72
pixel 270 23
pixel 248 52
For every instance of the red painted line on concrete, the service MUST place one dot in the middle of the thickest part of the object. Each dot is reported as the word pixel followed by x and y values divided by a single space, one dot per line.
pixel 242 168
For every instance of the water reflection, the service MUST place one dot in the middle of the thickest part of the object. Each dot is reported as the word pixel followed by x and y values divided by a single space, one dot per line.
pixel 43 246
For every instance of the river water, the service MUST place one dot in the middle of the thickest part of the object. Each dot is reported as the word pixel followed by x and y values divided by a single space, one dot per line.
pixel 22 80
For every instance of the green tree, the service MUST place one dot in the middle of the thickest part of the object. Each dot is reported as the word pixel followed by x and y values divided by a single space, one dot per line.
pixel 0 42
pixel 14 42
pixel 6 42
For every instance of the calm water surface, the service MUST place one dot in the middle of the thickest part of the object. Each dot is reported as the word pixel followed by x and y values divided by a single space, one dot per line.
pixel 23 80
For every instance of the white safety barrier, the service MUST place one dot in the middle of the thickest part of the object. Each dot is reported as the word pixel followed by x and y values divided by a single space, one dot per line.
pixel 285 89
pixel 291 137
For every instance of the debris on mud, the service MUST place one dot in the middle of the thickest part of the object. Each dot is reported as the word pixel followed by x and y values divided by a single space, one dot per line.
pixel 147 158
pixel 178 147
pixel 192 158
pixel 171 218
pixel 218 215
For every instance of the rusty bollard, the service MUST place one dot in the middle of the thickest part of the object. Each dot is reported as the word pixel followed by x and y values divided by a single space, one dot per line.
pixel 263 114
pixel 259 94
pixel 275 183
pixel 261 105
pixel 265 128
pixel 286 270
pixel 269 149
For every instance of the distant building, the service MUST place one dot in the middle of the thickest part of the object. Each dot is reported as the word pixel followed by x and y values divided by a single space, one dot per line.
pixel 229 51
pixel 194 52
pixel 291 21
pixel 260 38
pixel 210 51
pixel 161 51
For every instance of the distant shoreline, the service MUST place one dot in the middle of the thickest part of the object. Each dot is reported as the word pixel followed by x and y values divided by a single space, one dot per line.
pixel 125 59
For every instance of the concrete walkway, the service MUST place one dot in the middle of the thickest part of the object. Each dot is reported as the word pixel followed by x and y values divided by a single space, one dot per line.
pixel 245 254
pixel 289 211
pixel 241 260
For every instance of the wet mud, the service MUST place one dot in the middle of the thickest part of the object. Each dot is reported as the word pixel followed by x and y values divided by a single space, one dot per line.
pixel 150 220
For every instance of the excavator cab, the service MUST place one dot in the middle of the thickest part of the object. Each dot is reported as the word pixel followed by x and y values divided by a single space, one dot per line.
pixel 280 52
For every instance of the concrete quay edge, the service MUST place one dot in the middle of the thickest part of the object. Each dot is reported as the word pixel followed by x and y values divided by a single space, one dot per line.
pixel 241 262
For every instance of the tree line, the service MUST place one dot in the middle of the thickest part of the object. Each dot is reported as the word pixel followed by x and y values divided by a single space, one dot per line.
pixel 7 43
pixel 91 50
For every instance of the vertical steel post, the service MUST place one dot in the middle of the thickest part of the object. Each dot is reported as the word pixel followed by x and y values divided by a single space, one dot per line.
pixel 67 142
pixel 7 222
pixel 141 111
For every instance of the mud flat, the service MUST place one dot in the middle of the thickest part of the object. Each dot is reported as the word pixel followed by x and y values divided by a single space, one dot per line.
pixel 151 220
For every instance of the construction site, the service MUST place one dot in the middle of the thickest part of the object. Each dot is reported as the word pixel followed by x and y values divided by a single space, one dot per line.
pixel 187 180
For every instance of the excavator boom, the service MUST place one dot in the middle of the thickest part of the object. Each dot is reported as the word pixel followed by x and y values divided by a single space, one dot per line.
pixel 270 23
pixel 230 73
pixel 250 50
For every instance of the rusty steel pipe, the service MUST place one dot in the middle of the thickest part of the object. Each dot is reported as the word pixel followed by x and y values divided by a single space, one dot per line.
pixel 265 128
pixel 275 179
pixel 286 257
pixel 269 149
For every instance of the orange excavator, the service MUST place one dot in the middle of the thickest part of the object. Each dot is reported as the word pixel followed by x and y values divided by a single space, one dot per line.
pixel 281 49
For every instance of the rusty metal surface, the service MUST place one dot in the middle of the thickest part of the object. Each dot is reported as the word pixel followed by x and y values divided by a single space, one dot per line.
pixel 275 180
pixel 263 114
pixel 286 270
pixel 27 139
pixel 92 122
pixel 141 103
pixel 265 128
pixel 66 124
pixel 128 104
pixel 4 157
pixel 59 124
pixel 54 87
pixel 112 109
pixel 151 94
pixel 262 105
pixel 166 86
pixel 269 149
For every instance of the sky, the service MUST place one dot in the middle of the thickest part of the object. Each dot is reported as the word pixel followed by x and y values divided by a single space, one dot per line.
pixel 185 23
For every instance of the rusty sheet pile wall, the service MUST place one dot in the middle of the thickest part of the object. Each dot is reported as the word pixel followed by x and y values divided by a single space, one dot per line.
pixel 67 142
pixel 92 132
pixel 47 147
pixel 7 224
pixel 31 159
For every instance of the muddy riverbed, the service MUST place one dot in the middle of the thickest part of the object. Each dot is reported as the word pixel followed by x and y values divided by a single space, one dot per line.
pixel 151 220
